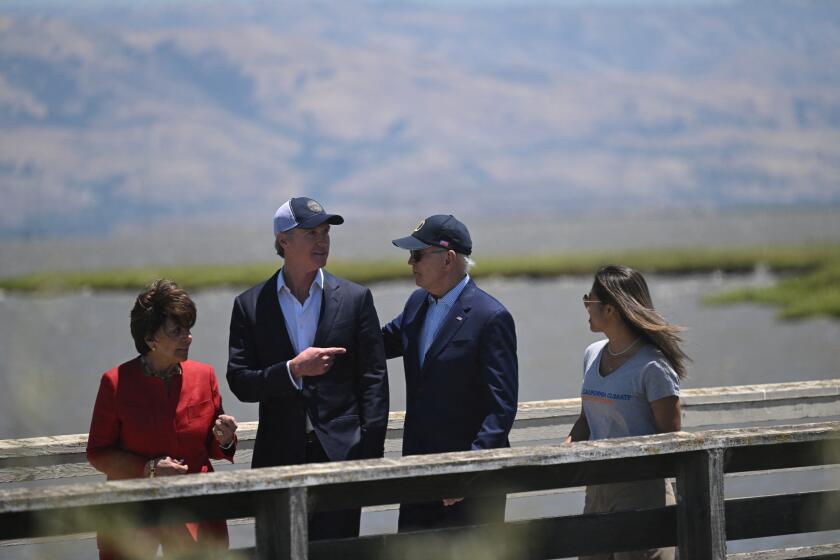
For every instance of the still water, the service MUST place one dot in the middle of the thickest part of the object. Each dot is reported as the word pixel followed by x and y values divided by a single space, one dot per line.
pixel 54 349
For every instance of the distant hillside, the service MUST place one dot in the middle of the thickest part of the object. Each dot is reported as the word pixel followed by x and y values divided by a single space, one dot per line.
pixel 112 113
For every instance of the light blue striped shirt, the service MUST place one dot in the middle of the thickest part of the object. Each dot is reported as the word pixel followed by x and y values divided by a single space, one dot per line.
pixel 436 314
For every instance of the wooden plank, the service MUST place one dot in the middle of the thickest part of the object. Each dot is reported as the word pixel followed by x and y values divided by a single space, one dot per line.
pixel 783 456
pixel 805 399
pixel 701 523
pixel 78 470
pixel 48 472
pixel 76 508
pixel 491 483
pixel 151 512
pixel 323 474
pixel 761 412
pixel 819 552
pixel 764 516
pixel 533 539
pixel 761 392
pixel 535 429
pixel 71 448
pixel 75 537
pixel 282 525
pixel 85 518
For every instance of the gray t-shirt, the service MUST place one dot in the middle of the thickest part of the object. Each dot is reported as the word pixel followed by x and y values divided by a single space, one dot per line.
pixel 618 405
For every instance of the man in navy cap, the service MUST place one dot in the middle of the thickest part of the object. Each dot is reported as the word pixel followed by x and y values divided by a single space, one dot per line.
pixel 307 346
pixel 458 346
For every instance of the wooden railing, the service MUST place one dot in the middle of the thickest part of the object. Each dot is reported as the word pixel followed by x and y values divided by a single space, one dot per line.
pixel 54 457
pixel 280 499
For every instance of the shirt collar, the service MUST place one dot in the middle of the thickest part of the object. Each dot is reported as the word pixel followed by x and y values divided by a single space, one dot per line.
pixel 319 282
pixel 450 297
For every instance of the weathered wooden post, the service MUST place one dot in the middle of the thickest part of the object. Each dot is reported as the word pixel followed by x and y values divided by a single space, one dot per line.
pixel 701 517
pixel 282 525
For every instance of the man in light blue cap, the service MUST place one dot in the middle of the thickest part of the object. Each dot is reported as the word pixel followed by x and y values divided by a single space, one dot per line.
pixel 307 346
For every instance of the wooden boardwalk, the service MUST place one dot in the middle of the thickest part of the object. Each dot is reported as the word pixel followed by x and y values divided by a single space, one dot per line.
pixel 281 498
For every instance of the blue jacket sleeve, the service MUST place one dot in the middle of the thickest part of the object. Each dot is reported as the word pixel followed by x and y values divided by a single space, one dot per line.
pixel 248 381
pixel 392 336
pixel 499 367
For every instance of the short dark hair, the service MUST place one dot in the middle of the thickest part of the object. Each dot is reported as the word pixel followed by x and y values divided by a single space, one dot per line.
pixel 279 246
pixel 158 301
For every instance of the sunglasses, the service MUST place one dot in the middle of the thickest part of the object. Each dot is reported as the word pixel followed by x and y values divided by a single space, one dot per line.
pixel 587 300
pixel 417 254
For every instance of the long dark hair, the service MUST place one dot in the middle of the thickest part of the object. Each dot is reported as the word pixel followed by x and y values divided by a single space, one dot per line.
pixel 627 291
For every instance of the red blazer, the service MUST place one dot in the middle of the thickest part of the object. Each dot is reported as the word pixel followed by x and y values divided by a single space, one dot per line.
pixel 136 419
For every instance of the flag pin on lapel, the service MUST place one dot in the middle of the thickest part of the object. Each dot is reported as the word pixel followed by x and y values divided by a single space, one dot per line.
pixel 459 318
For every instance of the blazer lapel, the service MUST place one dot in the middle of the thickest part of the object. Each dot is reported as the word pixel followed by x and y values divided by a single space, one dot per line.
pixel 458 315
pixel 330 304
pixel 412 327
pixel 268 308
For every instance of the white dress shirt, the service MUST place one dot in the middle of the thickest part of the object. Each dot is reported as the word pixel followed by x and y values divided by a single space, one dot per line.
pixel 301 319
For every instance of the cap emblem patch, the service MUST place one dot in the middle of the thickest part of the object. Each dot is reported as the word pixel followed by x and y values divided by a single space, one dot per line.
pixel 420 225
pixel 314 207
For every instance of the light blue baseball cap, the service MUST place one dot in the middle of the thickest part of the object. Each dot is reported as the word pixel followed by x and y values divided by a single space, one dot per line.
pixel 302 212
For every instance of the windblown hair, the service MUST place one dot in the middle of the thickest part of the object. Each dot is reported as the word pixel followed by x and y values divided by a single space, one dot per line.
pixel 158 301
pixel 627 291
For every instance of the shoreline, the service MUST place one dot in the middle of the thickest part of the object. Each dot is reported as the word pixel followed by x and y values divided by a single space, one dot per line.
pixel 810 286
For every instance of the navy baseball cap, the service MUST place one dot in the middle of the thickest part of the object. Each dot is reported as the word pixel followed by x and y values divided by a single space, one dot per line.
pixel 302 212
pixel 440 230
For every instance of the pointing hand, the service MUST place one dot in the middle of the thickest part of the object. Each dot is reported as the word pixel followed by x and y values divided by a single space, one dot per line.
pixel 314 361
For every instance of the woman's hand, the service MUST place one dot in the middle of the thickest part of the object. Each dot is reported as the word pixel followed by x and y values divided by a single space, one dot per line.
pixel 224 429
pixel 166 466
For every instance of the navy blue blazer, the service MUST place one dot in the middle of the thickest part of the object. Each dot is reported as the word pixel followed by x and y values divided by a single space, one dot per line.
pixel 465 395
pixel 348 405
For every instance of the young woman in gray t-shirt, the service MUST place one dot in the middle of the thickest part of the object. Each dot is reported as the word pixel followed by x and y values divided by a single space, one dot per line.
pixel 630 387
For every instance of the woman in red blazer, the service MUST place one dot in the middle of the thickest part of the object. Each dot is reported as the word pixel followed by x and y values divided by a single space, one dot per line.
pixel 160 414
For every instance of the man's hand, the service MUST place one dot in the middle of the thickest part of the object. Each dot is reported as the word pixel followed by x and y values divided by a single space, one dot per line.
pixel 451 501
pixel 314 361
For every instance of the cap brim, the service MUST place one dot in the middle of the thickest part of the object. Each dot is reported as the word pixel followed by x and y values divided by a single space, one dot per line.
pixel 318 219
pixel 410 243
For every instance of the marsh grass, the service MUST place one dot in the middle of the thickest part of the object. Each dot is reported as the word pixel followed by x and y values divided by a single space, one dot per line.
pixel 813 289
pixel 814 294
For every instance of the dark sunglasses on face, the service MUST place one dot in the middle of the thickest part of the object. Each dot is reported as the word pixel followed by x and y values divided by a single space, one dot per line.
pixel 587 300
pixel 417 254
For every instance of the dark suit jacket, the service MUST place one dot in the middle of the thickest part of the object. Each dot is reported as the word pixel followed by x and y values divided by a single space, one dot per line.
pixel 348 405
pixel 465 395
